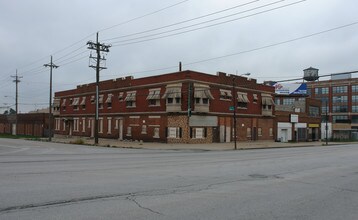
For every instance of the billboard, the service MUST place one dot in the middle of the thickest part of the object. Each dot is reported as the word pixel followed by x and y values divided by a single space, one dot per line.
pixel 290 88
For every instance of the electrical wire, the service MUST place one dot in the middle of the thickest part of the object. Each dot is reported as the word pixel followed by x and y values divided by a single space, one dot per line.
pixel 182 22
pixel 114 44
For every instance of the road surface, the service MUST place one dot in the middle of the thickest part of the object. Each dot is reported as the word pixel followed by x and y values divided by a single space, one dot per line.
pixel 40 180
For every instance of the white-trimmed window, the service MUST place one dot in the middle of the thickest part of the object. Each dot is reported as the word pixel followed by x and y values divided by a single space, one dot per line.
pixel 64 125
pixel 100 101
pixel 156 133
pixel 202 94
pixel 75 103
pixel 100 125
pixel 154 97
pixel 83 103
pixel 259 131
pixel 83 125
pixel 93 99
pixel 225 95
pixel 173 94
pixel 76 122
pixel 144 129
pixel 267 101
pixel 198 133
pixel 248 132
pixel 129 131
pixel 271 132
pixel 57 122
pixel 120 96
pixel 109 101
pixel 63 105
pixel 131 99
pixel 242 100
pixel 109 123
pixel 174 132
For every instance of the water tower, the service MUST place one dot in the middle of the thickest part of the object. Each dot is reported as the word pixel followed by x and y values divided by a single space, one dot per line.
pixel 310 74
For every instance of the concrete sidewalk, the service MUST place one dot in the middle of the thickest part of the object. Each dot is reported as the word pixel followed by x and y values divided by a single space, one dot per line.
pixel 209 147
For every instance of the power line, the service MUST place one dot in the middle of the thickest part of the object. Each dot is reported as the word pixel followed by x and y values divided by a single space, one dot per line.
pixel 87 37
pixel 143 16
pixel 181 22
pixel 199 28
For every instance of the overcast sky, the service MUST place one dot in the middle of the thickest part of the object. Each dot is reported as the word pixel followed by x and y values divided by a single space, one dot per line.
pixel 32 30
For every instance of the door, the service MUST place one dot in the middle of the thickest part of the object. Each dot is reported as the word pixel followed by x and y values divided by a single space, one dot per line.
pixel 92 128
pixel 120 129
pixel 222 133
pixel 228 132
pixel 284 133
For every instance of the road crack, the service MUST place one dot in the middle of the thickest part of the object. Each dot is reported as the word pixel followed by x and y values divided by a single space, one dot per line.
pixel 133 199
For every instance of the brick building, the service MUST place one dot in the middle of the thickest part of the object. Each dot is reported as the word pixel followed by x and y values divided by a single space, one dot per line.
pixel 339 99
pixel 156 109
pixel 33 124
pixel 298 118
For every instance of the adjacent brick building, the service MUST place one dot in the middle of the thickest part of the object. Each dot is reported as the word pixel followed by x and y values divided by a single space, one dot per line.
pixel 33 124
pixel 339 99
pixel 157 108
pixel 298 118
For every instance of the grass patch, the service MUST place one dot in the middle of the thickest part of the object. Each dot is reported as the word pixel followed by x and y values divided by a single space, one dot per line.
pixel 78 141
pixel 18 136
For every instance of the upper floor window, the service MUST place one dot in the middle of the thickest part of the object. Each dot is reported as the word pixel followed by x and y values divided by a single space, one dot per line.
pixel 277 101
pixel 154 97
pixel 321 90
pixel 288 101
pixel 202 94
pixel 242 100
pixel 83 103
pixel 120 96
pixel 340 99
pixel 340 89
pixel 267 101
pixel 75 103
pixel 109 100
pixel 313 111
pixel 340 108
pixel 100 101
pixel 354 88
pixel 173 94
pixel 131 99
pixel 225 95
pixel 354 98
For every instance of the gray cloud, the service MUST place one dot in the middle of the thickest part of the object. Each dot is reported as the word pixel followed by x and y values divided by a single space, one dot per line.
pixel 33 30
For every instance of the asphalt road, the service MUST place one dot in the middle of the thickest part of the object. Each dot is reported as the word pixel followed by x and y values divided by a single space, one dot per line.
pixel 40 180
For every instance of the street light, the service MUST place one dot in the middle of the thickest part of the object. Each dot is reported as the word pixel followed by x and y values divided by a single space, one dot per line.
pixel 234 105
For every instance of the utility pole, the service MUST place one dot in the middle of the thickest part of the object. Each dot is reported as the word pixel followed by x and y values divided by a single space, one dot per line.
pixel 234 112
pixel 327 122
pixel 98 47
pixel 52 66
pixel 16 81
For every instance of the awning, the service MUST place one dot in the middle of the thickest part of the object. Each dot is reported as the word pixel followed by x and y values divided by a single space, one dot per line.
pixel 120 95
pixel 83 102
pixel 131 96
pixel 203 93
pixel 153 94
pixel 109 98
pixel 100 99
pixel 242 97
pixel 267 99
pixel 172 92
pixel 56 102
pixel 75 101
pixel 226 93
